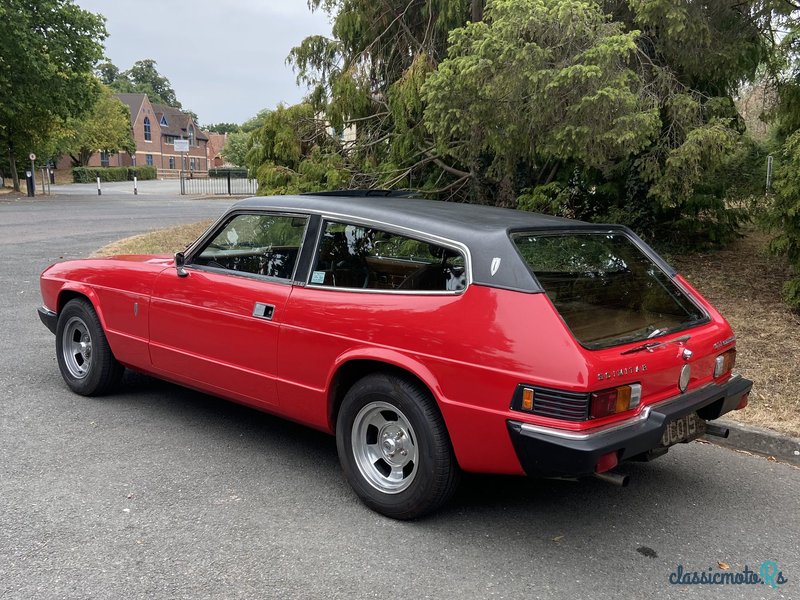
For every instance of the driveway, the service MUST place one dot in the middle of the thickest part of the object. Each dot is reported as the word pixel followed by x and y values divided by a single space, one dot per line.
pixel 162 492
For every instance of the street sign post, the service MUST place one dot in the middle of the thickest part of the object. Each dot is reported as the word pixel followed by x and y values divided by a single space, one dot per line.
pixel 182 146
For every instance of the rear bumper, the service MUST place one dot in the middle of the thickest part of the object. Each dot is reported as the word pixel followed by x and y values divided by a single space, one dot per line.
pixel 548 452
pixel 49 318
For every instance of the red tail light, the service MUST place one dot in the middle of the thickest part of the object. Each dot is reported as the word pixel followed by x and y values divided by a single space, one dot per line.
pixel 615 400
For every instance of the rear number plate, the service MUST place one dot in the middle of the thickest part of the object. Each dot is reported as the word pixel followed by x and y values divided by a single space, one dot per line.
pixel 683 429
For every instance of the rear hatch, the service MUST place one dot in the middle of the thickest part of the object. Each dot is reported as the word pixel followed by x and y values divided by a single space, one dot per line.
pixel 635 319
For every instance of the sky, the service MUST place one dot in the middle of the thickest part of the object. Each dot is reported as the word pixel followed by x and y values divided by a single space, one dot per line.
pixel 225 60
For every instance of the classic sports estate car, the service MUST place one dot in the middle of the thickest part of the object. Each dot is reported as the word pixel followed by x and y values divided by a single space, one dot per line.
pixel 430 338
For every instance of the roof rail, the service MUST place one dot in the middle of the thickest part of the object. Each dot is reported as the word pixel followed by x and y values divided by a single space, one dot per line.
pixel 364 193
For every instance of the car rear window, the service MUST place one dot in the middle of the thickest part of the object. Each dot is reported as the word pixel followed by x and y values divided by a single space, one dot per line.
pixel 605 288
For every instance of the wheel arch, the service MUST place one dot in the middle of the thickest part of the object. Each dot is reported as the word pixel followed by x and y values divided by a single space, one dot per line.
pixel 352 368
pixel 72 292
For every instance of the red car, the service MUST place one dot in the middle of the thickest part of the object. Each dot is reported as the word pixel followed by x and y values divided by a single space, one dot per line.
pixel 430 338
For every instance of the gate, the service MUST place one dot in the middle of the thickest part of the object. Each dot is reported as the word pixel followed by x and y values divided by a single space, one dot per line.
pixel 225 184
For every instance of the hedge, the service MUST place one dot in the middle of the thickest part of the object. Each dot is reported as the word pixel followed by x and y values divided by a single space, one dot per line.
pixel 90 174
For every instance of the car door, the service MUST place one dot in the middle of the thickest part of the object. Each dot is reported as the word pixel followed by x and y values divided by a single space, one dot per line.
pixel 214 324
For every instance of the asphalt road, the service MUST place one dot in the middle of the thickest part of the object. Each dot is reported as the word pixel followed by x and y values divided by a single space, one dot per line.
pixel 161 492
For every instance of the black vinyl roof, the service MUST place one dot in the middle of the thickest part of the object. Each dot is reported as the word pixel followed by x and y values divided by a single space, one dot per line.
pixel 484 230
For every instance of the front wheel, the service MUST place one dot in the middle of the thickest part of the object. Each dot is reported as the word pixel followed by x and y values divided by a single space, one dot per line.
pixel 394 448
pixel 84 356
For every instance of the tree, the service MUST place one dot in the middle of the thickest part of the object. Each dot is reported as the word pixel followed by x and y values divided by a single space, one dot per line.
pixel 239 141
pixel 107 73
pixel 223 128
pixel 619 110
pixel 236 147
pixel 146 79
pixel 107 128
pixel 141 78
pixel 292 153
pixel 783 216
pixel 48 49
pixel 567 96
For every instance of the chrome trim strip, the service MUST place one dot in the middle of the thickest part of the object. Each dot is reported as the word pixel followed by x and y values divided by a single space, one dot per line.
pixel 575 435
pixel 420 235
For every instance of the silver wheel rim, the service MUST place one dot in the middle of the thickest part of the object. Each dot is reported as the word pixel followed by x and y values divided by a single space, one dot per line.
pixel 76 348
pixel 385 447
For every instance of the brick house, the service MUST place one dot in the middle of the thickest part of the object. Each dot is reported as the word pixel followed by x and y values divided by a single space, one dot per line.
pixel 216 142
pixel 155 129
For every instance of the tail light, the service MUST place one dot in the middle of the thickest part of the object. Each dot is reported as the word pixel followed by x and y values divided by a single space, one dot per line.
pixel 615 400
pixel 724 363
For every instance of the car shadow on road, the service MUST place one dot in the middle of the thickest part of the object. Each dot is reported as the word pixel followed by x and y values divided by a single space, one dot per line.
pixel 551 511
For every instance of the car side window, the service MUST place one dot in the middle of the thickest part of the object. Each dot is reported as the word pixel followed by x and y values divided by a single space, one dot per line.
pixel 258 244
pixel 354 256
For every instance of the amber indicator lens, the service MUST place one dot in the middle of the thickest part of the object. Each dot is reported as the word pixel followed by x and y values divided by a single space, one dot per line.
pixel 527 399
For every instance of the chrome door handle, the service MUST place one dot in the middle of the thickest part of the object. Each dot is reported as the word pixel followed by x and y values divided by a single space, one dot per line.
pixel 263 311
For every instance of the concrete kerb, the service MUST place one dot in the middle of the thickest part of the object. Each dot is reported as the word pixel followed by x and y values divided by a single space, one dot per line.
pixel 757 440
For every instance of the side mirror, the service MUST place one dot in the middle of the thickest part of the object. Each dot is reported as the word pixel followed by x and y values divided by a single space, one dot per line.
pixel 180 260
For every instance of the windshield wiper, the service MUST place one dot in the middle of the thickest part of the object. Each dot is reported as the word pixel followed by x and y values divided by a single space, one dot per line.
pixel 650 346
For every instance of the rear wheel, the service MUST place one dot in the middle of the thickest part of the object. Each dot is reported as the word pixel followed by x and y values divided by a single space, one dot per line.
pixel 84 356
pixel 394 448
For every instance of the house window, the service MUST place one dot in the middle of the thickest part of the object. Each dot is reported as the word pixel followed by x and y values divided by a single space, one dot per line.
pixel 191 164
pixel 171 162
pixel 104 159
pixel 163 121
pixel 147 135
pixel 191 135
pixel 148 158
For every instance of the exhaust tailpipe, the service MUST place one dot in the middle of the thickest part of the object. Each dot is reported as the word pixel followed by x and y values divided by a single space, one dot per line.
pixel 717 431
pixel 613 477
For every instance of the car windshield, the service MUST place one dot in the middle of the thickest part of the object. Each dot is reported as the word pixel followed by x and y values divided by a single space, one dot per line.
pixel 605 288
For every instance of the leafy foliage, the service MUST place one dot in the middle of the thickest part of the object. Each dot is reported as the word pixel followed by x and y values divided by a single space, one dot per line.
pixel 223 128
pixel 566 94
pixel 235 149
pixel 141 78
pixel 615 110
pixel 48 49
pixel 90 174
pixel 290 153
pixel 785 216
pixel 106 128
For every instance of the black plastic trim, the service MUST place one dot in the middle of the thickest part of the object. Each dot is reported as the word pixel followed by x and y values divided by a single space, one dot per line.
pixel 557 404
pixel 49 318
pixel 546 454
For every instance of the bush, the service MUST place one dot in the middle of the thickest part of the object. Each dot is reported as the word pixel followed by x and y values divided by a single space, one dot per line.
pixel 142 173
pixel 784 218
pixel 90 174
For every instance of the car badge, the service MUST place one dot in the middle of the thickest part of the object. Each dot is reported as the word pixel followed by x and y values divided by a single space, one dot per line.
pixel 683 380
pixel 686 354
pixel 495 265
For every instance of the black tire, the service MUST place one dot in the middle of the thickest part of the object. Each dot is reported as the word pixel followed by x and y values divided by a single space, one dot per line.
pixel 84 356
pixel 381 417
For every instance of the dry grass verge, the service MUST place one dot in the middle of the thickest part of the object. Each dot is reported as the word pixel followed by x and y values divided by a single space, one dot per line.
pixel 743 281
pixel 161 241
